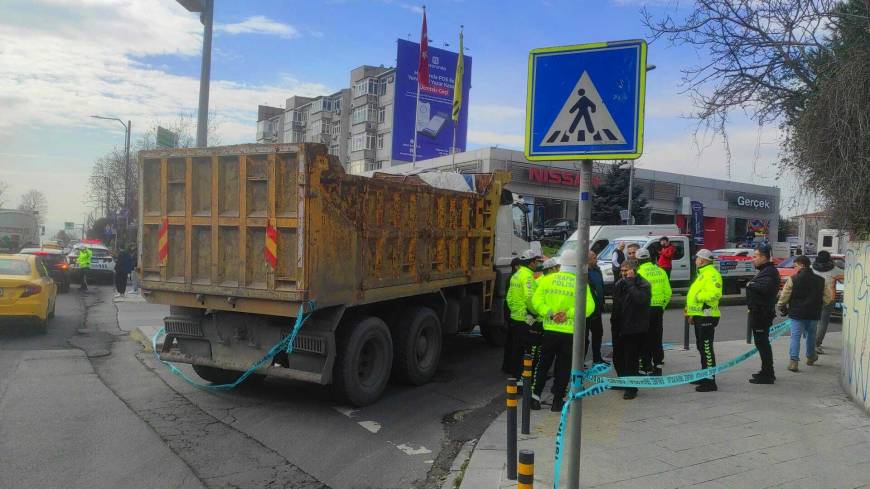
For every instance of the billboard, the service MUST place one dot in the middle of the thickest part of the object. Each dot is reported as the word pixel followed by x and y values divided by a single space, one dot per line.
pixel 434 123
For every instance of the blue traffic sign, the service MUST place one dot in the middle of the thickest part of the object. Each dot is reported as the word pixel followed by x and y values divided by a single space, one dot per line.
pixel 586 101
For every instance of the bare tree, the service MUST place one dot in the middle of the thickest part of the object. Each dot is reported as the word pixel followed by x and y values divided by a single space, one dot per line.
pixel 34 200
pixel 4 192
pixel 106 185
pixel 800 64
pixel 758 54
pixel 185 127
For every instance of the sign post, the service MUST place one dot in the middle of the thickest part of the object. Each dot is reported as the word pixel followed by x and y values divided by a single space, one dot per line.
pixel 584 102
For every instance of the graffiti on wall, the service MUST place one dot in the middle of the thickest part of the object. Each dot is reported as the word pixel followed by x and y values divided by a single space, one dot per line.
pixel 856 323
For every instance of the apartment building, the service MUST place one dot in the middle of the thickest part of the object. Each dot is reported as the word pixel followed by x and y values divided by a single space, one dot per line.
pixel 356 123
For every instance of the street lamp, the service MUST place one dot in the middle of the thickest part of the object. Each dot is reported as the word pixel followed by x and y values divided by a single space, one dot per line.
pixel 205 9
pixel 630 167
pixel 127 127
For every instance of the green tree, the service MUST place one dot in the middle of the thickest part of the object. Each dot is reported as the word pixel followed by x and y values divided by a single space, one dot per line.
pixel 611 196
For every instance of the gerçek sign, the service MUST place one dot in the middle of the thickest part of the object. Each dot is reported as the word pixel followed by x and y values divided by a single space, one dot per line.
pixel 739 200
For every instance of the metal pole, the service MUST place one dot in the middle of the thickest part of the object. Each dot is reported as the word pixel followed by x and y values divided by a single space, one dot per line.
pixel 685 333
pixel 511 429
pixel 206 17
pixel 127 178
pixel 630 191
pixel 575 419
pixel 416 115
pixel 525 427
pixel 452 146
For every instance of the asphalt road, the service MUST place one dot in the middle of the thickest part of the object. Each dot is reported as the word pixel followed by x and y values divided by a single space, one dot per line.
pixel 83 406
pixel 60 426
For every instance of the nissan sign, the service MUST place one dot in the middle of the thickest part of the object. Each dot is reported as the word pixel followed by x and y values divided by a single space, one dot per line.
pixel 737 200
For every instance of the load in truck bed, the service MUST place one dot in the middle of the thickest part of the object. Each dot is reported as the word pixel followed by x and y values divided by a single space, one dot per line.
pixel 209 217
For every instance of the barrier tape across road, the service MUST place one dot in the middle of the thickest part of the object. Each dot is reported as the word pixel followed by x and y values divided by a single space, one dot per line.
pixel 601 384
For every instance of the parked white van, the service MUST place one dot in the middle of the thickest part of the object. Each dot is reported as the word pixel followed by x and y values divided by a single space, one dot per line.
pixel 601 236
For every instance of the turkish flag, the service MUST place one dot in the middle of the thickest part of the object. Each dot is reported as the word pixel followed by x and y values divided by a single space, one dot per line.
pixel 423 65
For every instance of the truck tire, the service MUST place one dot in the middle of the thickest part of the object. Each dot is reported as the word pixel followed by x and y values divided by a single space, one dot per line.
pixel 417 344
pixel 363 363
pixel 495 334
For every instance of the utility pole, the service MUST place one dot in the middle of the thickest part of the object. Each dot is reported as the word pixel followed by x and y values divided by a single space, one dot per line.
pixel 205 9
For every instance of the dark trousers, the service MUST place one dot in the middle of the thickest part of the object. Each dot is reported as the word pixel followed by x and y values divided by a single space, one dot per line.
pixel 120 282
pixel 595 329
pixel 626 355
pixel 512 362
pixel 705 330
pixel 653 354
pixel 759 323
pixel 667 271
pixel 555 347
pixel 84 272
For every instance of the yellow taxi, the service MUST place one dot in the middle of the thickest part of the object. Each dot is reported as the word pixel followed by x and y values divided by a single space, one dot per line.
pixel 27 292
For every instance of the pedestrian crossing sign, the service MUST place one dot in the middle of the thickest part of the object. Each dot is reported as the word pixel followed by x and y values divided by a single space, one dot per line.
pixel 586 101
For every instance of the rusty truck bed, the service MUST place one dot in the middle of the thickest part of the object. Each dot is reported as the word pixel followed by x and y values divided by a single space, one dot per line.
pixel 341 239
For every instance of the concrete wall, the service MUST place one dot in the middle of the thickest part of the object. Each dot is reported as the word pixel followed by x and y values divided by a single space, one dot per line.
pixel 855 374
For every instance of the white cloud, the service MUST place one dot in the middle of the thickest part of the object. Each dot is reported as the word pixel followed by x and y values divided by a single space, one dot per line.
pixel 490 138
pixel 259 24
pixel 63 60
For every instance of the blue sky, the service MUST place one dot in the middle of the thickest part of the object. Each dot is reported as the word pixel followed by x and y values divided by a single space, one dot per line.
pixel 62 60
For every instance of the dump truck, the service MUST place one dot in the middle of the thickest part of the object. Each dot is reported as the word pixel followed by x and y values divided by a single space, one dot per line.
pixel 237 240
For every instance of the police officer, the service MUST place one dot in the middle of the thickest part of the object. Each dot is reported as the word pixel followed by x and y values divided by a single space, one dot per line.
pixel 519 301
pixel 554 301
pixel 761 294
pixel 653 356
pixel 702 311
pixel 84 262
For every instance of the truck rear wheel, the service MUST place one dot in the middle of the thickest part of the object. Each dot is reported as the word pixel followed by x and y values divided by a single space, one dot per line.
pixel 365 357
pixel 416 346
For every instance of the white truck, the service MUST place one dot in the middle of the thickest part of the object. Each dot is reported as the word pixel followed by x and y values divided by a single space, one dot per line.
pixel 18 229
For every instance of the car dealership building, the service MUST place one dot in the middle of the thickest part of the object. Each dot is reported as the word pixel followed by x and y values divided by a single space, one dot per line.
pixel 733 212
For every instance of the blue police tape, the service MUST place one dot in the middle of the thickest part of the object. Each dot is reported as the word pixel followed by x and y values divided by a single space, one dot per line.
pixel 601 384
pixel 285 344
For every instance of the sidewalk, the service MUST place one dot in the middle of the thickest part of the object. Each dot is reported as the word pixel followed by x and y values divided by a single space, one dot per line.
pixel 802 432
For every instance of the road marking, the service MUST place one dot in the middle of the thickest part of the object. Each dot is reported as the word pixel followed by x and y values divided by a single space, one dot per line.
pixel 413 451
pixel 345 410
pixel 372 426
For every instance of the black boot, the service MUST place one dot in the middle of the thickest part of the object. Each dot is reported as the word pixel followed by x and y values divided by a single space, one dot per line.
pixel 707 385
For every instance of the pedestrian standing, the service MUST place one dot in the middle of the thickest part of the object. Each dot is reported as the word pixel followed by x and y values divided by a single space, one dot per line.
pixel 519 301
pixel 667 251
pixel 802 299
pixel 761 294
pixel 630 321
pixel 616 259
pixel 134 274
pixel 594 327
pixel 825 268
pixel 84 262
pixel 554 301
pixel 630 254
pixel 702 311
pixel 123 266
pixel 653 355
